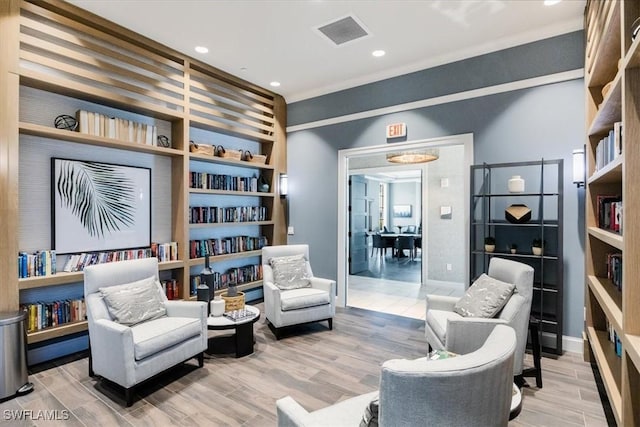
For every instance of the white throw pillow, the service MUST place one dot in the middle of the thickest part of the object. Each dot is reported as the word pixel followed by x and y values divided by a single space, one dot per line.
pixel 484 298
pixel 134 302
pixel 290 272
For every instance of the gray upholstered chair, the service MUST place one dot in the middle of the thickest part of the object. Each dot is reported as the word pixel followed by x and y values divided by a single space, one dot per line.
pixel 128 355
pixel 296 306
pixel 445 329
pixel 472 389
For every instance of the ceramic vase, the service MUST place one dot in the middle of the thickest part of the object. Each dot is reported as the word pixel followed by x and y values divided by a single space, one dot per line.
pixel 516 184
pixel 217 307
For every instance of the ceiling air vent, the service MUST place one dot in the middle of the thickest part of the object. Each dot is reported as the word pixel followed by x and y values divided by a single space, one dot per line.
pixel 343 30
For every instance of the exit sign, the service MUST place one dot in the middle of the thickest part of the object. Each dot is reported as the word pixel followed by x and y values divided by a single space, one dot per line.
pixel 396 130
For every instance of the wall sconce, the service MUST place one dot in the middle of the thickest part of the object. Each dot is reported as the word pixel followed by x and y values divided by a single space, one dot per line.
pixel 284 185
pixel 579 167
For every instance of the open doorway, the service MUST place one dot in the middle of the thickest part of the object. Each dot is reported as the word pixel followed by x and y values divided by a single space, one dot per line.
pixel 403 229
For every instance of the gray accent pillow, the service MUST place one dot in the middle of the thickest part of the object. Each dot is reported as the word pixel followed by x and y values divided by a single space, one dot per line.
pixel 370 417
pixel 484 298
pixel 290 272
pixel 134 302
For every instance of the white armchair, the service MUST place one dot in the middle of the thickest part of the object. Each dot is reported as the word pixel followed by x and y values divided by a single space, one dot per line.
pixel 296 306
pixel 472 390
pixel 446 329
pixel 128 355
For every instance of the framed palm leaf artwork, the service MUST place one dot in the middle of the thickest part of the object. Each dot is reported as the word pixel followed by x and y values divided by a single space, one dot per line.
pixel 99 206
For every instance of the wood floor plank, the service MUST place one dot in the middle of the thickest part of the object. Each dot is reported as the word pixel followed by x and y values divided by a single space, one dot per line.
pixel 314 365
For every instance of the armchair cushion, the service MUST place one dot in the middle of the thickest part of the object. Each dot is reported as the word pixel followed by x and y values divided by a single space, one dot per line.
pixel 132 303
pixel 157 335
pixel 290 272
pixel 438 319
pixel 302 298
pixel 484 298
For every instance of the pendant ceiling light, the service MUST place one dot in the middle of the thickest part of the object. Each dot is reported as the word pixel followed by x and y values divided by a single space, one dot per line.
pixel 415 156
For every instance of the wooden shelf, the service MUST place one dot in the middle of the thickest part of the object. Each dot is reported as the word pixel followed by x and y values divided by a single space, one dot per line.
pixel 610 368
pixel 516 255
pixel 228 224
pixel 610 173
pixel 606 56
pixel 242 287
pixel 631 344
pixel 610 299
pixel 56 332
pixel 230 162
pixel 226 257
pixel 64 277
pixel 83 138
pixel 608 237
pixel 609 111
pixel 230 193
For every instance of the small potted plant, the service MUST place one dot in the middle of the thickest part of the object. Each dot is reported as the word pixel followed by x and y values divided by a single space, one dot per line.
pixel 489 244
pixel 513 248
pixel 537 246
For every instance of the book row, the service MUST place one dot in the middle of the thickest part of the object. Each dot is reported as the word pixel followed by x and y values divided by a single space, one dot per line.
pixel 215 214
pixel 78 262
pixel 609 212
pixel 609 148
pixel 170 288
pixel 42 315
pixel 614 339
pixel 39 263
pixel 614 269
pixel 165 251
pixel 211 181
pixel 236 275
pixel 225 245
pixel 98 124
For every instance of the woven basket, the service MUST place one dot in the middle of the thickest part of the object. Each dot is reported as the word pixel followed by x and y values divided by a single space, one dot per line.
pixel 228 153
pixel 233 303
pixel 202 149
pixel 255 158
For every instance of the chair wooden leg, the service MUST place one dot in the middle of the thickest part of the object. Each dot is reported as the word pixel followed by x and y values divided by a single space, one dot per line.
pixel 201 359
pixel 128 396
pixel 91 373
pixel 330 324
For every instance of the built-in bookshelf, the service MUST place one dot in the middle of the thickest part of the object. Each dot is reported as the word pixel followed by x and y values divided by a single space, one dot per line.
pixel 139 91
pixel 612 300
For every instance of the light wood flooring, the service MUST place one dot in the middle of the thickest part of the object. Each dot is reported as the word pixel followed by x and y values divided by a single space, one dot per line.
pixel 317 367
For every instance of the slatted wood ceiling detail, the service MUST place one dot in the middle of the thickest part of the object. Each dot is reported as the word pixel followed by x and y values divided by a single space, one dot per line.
pixel 76 58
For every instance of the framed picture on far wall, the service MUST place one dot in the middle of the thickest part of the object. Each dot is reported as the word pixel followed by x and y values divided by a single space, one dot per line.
pixel 402 211
pixel 99 206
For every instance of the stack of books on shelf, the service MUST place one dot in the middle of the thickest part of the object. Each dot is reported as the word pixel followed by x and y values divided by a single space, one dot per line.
pixel 609 148
pixel 614 339
pixel 114 127
pixel 211 181
pixel 214 214
pixel 170 288
pixel 42 315
pixel 39 263
pixel 226 245
pixel 614 269
pixel 165 251
pixel 609 212
pixel 237 275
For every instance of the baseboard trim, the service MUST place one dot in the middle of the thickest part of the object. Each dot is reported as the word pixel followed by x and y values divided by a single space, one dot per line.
pixel 569 344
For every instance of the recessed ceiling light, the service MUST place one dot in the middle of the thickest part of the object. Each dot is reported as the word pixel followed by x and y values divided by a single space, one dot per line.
pixel 243 68
pixel 201 49
pixel 275 84
pixel 551 2
pixel 378 53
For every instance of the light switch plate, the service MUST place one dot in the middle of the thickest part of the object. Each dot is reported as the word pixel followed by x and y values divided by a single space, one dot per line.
pixel 290 230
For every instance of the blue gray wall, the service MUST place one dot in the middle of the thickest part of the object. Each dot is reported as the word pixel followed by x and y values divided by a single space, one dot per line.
pixel 544 121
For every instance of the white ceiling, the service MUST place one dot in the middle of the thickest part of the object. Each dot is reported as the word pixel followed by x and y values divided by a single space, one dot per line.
pixel 275 40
